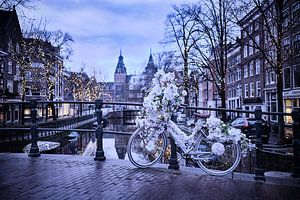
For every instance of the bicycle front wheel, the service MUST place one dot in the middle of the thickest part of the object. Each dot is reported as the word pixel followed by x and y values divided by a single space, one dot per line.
pixel 218 165
pixel 145 149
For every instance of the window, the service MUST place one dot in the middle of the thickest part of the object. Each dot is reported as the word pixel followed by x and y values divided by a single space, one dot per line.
pixel 1 66
pixel 272 77
pixel 271 98
pixel 246 91
pixel 239 74
pixel 257 43
pixel 245 71
pixel 239 90
pixel 287 78
pixel 28 75
pixel 288 109
pixel 286 42
pixel 258 89
pixel 1 84
pixel 257 67
pixel 16 115
pixel 250 47
pixel 296 13
pixel 245 50
pixel 250 28
pixel 252 89
pixel 297 76
pixel 251 69
pixel 244 34
pixel 10 86
pixel 20 90
pixel 17 70
pixel 286 19
pixel 238 59
pixel 10 67
pixel 256 25
pixel 296 44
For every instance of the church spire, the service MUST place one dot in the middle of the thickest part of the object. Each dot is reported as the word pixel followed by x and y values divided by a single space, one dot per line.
pixel 120 69
pixel 150 68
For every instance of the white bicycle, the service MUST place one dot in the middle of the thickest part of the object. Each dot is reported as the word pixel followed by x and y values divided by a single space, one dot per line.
pixel 146 147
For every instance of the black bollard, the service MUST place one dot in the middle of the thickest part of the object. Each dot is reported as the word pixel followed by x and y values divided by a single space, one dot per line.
pixel 296 143
pixel 173 163
pixel 259 171
pixel 99 134
pixel 34 149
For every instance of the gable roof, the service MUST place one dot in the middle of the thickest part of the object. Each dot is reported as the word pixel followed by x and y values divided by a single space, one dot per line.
pixel 10 18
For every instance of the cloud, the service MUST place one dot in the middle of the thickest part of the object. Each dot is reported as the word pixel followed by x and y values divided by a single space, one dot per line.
pixel 101 27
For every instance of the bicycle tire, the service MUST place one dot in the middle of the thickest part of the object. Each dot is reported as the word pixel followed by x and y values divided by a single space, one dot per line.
pixel 214 164
pixel 138 153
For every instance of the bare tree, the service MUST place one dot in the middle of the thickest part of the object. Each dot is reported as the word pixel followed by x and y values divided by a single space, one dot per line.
pixel 274 25
pixel 165 60
pixel 181 30
pixel 53 47
pixel 21 6
pixel 10 4
pixel 61 40
pixel 215 31
pixel 85 88
pixel 95 85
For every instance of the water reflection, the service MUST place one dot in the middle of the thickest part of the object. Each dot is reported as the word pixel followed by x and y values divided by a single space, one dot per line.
pixel 114 146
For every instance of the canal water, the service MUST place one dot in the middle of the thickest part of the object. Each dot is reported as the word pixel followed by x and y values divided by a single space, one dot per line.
pixel 114 146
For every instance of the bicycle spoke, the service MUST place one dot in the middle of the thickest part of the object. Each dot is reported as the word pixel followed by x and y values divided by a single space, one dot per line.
pixel 143 150
pixel 216 164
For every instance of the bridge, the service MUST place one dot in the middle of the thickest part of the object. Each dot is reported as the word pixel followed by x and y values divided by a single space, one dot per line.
pixel 258 164
pixel 78 177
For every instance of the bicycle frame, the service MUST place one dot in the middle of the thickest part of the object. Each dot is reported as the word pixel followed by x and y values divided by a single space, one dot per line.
pixel 176 132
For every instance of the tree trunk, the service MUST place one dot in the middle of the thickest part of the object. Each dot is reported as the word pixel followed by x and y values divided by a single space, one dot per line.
pixel 52 105
pixel 280 108
pixel 186 80
pixel 279 62
pixel 223 100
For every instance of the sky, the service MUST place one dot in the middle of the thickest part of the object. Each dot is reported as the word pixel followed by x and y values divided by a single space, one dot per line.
pixel 100 28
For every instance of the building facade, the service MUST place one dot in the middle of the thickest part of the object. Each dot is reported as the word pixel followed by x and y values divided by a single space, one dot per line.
pixel 129 88
pixel 25 72
pixel 10 35
pixel 250 80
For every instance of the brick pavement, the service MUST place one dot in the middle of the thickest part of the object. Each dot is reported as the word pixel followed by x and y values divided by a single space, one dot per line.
pixel 75 177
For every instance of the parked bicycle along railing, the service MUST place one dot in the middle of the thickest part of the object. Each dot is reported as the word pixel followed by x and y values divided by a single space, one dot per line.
pixel 201 141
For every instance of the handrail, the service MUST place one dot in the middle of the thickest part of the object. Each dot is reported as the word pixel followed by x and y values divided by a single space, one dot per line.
pixel 259 171
pixel 234 110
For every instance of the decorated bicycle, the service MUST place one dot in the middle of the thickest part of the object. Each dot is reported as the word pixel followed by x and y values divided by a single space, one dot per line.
pixel 216 147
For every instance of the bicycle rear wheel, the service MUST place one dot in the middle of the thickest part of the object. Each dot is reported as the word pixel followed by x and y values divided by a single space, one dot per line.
pixel 218 165
pixel 144 150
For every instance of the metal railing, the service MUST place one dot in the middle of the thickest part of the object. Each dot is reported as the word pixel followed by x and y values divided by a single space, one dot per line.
pixel 100 154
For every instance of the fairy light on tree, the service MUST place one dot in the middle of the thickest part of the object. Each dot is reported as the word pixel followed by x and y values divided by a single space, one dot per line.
pixel 85 88
pixel 23 55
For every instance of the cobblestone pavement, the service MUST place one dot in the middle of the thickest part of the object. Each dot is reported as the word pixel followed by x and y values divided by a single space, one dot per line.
pixel 75 177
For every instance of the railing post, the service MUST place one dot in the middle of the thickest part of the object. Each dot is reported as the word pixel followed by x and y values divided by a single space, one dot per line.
pixel 259 171
pixel 80 104
pixel 46 118
pixel 173 163
pixel 34 149
pixel 99 134
pixel 296 143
